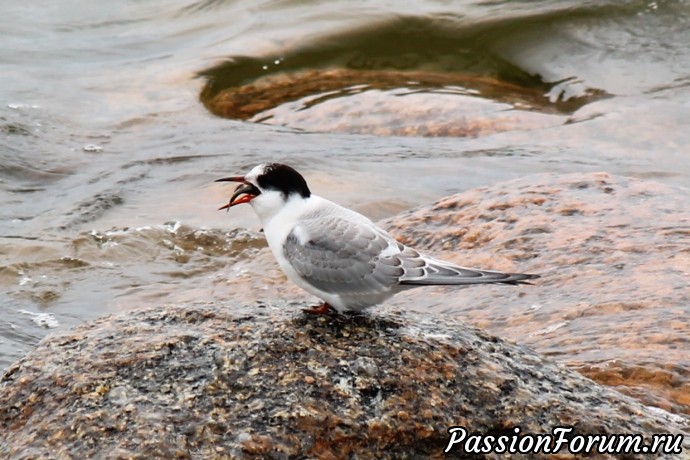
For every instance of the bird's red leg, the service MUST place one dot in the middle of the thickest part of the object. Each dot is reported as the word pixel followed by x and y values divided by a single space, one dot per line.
pixel 322 309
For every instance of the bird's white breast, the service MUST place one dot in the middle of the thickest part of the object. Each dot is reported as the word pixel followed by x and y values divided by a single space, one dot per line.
pixel 279 226
pixel 287 220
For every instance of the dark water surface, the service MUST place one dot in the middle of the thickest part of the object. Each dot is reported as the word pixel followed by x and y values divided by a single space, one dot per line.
pixel 107 156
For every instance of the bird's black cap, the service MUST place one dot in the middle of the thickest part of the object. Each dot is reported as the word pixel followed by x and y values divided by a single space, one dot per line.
pixel 277 176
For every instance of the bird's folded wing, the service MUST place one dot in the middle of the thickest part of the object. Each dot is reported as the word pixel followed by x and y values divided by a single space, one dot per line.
pixel 341 256
pixel 437 272
pixel 354 258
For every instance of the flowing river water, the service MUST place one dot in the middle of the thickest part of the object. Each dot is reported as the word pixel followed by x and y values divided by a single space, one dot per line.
pixel 116 117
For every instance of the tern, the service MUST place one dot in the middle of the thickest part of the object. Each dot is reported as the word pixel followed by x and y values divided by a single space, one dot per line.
pixel 337 254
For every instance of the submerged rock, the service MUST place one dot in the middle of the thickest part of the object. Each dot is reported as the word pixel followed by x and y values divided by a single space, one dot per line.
pixel 435 104
pixel 207 381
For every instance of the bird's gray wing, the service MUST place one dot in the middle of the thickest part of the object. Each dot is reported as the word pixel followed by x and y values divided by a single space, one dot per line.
pixel 347 257
pixel 342 256
pixel 421 270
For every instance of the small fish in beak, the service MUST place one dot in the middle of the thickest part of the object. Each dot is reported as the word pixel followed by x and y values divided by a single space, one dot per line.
pixel 244 193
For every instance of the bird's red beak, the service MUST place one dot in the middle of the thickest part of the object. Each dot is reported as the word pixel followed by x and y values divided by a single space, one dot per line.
pixel 244 193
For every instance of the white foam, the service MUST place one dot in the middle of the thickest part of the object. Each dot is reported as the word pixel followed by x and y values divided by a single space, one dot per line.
pixel 93 148
pixel 46 320
pixel 549 329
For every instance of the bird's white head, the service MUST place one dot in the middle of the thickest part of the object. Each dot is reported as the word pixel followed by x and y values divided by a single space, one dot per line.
pixel 267 187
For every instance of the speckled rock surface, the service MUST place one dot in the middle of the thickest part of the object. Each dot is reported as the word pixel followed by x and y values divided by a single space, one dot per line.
pixel 207 381
pixel 614 255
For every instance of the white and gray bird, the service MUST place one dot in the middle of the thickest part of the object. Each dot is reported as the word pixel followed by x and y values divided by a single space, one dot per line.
pixel 338 254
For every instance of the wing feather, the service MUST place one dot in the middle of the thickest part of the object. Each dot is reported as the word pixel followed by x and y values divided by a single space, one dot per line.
pixel 341 256
pixel 352 257
pixel 438 272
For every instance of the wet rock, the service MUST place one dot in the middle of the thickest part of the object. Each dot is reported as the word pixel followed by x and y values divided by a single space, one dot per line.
pixel 210 381
pixel 614 257
pixel 393 103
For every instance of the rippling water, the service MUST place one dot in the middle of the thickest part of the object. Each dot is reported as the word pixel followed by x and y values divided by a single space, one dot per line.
pixel 107 156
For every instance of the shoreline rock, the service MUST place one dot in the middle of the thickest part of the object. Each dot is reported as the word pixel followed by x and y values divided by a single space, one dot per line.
pixel 201 381
pixel 615 263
